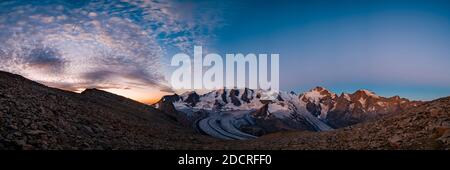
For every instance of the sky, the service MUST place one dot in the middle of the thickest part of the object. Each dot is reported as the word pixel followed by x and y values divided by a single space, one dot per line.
pixel 395 47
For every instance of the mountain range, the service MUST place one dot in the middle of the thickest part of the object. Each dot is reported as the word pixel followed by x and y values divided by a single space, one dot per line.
pixel 316 110
pixel 34 116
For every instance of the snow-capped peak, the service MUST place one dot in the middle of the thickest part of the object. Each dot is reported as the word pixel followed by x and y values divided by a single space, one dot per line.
pixel 367 93
pixel 316 94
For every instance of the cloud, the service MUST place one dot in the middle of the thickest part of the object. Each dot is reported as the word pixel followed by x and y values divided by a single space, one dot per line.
pixel 81 86
pixel 45 58
pixel 97 76
pixel 166 89
pixel 98 43
pixel 133 77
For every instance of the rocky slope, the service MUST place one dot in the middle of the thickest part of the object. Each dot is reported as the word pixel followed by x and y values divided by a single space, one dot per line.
pixel 33 116
pixel 424 127
pixel 349 109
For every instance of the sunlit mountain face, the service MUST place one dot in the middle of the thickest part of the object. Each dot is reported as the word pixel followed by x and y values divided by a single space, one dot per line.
pixel 125 46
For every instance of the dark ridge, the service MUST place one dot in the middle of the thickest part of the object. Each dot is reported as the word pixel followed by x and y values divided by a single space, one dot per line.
pixel 33 116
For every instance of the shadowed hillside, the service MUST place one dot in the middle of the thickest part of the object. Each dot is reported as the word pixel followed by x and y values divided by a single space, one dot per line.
pixel 33 116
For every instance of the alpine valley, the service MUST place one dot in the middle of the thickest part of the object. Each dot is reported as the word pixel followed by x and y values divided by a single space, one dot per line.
pixel 34 116
pixel 245 114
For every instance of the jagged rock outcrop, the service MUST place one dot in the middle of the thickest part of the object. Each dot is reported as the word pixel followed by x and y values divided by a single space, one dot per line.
pixel 262 113
pixel 265 122
pixel 193 98
pixel 245 96
pixel 234 97
pixel 349 109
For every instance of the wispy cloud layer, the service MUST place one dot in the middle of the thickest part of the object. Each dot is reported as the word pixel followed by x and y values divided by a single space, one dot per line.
pixel 81 44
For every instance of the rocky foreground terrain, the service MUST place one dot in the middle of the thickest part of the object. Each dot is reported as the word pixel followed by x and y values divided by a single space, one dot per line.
pixel 33 116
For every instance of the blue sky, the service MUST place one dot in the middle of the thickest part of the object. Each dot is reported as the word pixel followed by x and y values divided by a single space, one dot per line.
pixel 395 47
pixel 390 47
